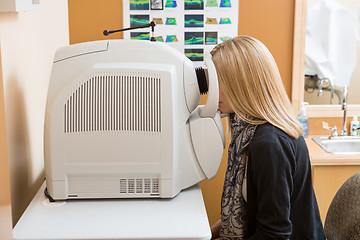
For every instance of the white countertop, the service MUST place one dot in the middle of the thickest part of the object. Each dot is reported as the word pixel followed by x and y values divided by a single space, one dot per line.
pixel 319 157
pixel 183 217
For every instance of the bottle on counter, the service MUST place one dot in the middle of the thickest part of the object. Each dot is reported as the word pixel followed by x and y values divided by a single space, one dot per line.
pixel 354 127
pixel 303 119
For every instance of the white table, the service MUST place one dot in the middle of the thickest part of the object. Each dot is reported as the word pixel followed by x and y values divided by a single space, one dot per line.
pixel 183 217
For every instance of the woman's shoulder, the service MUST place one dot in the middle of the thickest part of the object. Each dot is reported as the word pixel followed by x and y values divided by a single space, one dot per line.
pixel 269 140
pixel 268 134
pixel 267 130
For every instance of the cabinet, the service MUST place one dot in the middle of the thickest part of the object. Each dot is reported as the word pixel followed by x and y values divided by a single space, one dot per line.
pixel 19 5
pixel 329 172
pixel 327 179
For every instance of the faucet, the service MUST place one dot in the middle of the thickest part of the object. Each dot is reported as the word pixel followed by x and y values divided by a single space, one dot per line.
pixel 344 108
pixel 333 130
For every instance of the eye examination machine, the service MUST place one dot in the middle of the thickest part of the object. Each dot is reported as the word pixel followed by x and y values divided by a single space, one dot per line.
pixel 123 120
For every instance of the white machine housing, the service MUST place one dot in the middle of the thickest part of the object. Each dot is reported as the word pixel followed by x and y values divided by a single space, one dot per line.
pixel 122 121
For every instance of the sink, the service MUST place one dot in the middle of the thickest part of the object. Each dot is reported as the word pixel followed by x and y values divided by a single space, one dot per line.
pixel 339 145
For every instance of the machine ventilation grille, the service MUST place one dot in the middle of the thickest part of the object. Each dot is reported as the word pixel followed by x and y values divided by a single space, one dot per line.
pixel 139 185
pixel 118 101
pixel 113 186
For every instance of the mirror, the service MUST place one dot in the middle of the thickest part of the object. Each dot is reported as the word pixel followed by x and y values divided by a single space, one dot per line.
pixel 321 90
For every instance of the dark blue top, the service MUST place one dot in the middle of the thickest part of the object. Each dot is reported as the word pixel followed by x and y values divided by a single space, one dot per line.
pixel 280 196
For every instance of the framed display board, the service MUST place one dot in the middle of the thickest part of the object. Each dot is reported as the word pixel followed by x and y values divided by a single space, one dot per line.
pixel 191 26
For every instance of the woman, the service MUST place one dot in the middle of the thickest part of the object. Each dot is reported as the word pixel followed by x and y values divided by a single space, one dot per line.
pixel 268 192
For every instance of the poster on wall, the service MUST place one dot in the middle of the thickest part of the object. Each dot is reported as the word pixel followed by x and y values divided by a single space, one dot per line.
pixel 190 26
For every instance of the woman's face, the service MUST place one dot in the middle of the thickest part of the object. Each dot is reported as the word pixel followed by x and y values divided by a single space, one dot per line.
pixel 224 106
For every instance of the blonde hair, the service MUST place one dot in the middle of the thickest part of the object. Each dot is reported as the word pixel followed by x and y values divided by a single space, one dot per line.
pixel 249 77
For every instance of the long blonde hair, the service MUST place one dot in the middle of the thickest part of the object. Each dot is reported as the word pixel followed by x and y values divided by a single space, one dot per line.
pixel 249 77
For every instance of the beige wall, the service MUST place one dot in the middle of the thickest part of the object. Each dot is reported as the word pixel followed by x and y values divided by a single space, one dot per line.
pixel 28 41
pixel 272 22
pixel 5 200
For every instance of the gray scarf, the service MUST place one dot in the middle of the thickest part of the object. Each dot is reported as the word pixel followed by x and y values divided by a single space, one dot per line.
pixel 233 204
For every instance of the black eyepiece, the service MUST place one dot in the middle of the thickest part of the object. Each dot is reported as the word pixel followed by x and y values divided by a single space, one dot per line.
pixel 201 78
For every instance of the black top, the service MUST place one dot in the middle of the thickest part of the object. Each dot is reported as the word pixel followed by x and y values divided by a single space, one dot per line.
pixel 280 196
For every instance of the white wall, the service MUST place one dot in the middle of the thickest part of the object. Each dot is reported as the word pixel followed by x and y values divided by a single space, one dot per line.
pixel 28 41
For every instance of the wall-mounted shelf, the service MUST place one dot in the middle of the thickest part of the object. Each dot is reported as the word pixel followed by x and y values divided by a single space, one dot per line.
pixel 19 5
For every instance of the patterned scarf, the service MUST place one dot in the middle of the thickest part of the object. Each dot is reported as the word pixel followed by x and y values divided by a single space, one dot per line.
pixel 233 204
